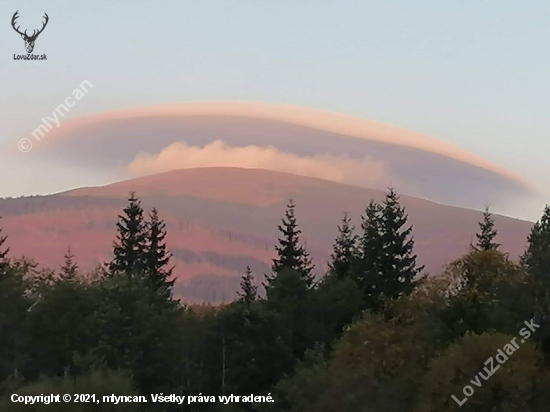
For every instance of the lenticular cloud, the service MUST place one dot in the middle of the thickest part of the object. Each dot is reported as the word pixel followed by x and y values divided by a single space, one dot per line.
pixel 303 141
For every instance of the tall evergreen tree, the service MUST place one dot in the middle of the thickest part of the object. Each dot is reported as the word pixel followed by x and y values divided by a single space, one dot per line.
pixel 3 253
pixel 344 251
pixel 487 234
pixel 399 267
pixel 157 256
pixel 249 292
pixel 368 269
pixel 291 255
pixel 69 269
pixel 537 255
pixel 131 244
pixel 387 264
pixel 536 260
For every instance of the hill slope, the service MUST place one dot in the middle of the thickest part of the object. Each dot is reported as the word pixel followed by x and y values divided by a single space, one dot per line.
pixel 222 219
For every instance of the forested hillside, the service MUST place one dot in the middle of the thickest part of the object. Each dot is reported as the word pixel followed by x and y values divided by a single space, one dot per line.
pixel 373 334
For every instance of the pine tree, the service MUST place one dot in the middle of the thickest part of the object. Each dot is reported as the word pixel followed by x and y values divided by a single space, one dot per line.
pixel 291 255
pixel 157 256
pixel 248 293
pixel 537 256
pixel 69 269
pixel 486 237
pixel 131 244
pixel 344 251
pixel 3 253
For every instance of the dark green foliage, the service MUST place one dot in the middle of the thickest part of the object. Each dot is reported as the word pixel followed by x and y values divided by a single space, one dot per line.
pixel 536 261
pixel 65 343
pixel 387 266
pixel 136 330
pixel 370 248
pixel 140 250
pixel 291 255
pixel 157 256
pixel 489 292
pixel 398 261
pixel 333 305
pixel 410 358
pixel 537 256
pixel 118 322
pixel 15 301
pixel 519 384
pixel 102 382
pixel 197 360
pixel 4 252
pixel 313 346
pixel 377 365
pixel 130 247
pixel 249 292
pixel 487 232
pixel 251 349
pixel 69 270
pixel 288 297
pixel 344 254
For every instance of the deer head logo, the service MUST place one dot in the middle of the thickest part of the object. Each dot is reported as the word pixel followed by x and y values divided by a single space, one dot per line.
pixel 29 40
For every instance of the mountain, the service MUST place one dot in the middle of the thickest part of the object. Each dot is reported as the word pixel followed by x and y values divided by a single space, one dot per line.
pixel 222 219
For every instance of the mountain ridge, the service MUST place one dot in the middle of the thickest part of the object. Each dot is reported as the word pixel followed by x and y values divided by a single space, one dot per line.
pixel 220 220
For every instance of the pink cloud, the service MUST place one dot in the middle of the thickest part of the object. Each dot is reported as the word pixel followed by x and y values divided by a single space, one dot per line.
pixel 362 172
pixel 313 118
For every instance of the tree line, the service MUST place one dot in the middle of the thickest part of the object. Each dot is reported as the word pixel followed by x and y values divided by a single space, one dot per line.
pixel 373 334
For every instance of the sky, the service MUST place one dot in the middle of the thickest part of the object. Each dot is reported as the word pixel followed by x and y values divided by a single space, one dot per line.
pixel 472 73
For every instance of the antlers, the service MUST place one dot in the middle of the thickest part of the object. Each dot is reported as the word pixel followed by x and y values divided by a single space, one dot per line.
pixel 34 34
pixel 15 16
pixel 43 27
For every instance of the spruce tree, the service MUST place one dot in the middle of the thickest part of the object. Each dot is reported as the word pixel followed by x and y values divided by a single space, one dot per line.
pixel 344 251
pixel 131 244
pixel 157 256
pixel 537 255
pixel 387 265
pixel 398 263
pixel 3 253
pixel 69 269
pixel 487 234
pixel 291 255
pixel 248 293
pixel 370 251
pixel 536 260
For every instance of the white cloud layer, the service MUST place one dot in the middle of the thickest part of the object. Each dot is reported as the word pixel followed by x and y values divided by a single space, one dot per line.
pixel 362 172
